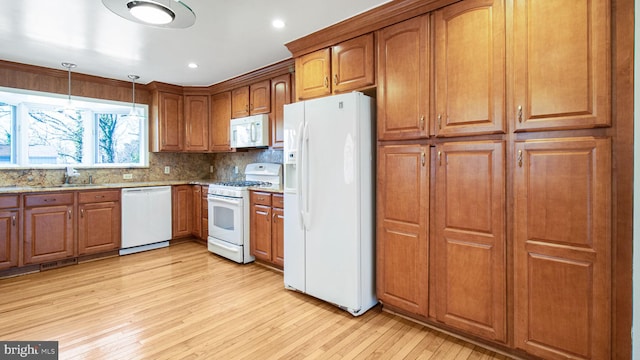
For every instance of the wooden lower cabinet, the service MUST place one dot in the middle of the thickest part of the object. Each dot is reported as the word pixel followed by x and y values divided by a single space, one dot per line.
pixel 267 227
pixel 402 271
pixel 204 203
pixel 48 227
pixel 99 218
pixel 9 233
pixel 196 226
pixel 181 198
pixel 470 252
pixel 562 248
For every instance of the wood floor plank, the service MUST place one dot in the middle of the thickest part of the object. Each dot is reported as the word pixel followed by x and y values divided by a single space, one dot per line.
pixel 182 302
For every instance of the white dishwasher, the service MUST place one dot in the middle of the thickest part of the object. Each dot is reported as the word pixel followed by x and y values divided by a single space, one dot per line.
pixel 146 218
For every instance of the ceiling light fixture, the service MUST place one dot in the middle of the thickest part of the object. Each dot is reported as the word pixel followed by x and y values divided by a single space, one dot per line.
pixel 151 12
pixel 69 109
pixel 192 65
pixel 160 13
pixel 277 23
pixel 133 114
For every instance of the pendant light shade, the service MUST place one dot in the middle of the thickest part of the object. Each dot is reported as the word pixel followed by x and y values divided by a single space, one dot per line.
pixel 133 113
pixel 69 109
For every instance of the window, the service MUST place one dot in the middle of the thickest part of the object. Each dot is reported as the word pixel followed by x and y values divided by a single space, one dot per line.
pixel 42 130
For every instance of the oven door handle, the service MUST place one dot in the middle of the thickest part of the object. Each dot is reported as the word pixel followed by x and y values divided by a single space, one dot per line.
pixel 225 200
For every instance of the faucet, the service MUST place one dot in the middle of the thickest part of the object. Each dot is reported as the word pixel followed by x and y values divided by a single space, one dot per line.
pixel 71 172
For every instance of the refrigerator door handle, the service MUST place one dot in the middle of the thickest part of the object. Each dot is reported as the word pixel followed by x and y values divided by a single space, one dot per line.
pixel 304 185
pixel 299 152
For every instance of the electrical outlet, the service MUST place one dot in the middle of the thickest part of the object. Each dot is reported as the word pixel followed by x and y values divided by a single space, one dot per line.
pixel 211 168
pixel 167 169
pixel 235 169
pixel 127 176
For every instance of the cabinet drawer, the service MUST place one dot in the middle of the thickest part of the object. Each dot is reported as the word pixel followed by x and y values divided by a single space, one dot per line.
pixel 9 201
pixel 48 199
pixel 262 198
pixel 98 196
pixel 277 201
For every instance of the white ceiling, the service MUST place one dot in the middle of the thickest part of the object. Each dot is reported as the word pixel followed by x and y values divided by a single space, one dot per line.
pixel 229 38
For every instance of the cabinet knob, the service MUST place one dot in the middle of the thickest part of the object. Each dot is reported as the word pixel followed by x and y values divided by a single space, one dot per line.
pixel 335 79
pixel 81 213
pixel 519 158
pixel 13 220
pixel 69 213
pixel 326 81
pixel 274 218
pixel 439 121
pixel 520 113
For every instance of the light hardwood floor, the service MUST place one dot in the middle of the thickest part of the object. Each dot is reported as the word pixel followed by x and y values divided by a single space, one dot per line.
pixel 182 302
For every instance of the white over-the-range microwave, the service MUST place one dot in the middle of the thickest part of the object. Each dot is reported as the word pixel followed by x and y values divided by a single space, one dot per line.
pixel 250 131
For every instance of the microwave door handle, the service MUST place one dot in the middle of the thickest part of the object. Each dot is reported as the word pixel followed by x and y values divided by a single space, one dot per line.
pixel 254 132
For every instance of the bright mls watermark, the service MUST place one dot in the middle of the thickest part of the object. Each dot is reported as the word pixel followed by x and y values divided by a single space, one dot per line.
pixel 31 350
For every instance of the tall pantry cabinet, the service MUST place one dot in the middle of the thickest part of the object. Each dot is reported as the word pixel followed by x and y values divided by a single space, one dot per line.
pixel 505 236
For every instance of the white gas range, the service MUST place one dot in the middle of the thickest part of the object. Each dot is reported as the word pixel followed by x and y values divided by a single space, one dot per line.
pixel 229 211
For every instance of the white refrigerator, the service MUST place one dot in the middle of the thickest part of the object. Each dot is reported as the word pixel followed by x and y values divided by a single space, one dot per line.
pixel 329 210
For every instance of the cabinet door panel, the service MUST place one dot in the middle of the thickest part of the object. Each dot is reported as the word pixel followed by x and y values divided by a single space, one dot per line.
pixel 171 122
pixel 280 96
pixel 9 223
pixel 98 227
pixel 563 247
pixel 402 225
pixel 470 68
pixel 352 64
pixel 197 122
pixel 562 73
pixel 403 80
pixel 260 234
pixel 470 269
pixel 277 234
pixel 260 98
pixel 48 234
pixel 181 199
pixel 220 122
pixel 240 102
pixel 312 74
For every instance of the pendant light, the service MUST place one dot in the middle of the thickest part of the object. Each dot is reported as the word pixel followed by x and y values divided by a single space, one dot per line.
pixel 69 109
pixel 133 114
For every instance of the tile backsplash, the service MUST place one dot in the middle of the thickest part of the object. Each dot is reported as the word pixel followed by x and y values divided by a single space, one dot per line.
pixel 182 166
pixel 224 163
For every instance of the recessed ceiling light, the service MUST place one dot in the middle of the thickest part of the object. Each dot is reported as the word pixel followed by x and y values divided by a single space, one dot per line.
pixel 193 65
pixel 277 23
pixel 161 13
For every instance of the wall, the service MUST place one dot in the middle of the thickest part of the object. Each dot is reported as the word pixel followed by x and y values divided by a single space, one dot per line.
pixel 183 167
pixel 224 163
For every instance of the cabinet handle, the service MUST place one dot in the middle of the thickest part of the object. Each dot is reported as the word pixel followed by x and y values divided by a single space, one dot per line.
pixel 422 122
pixel 520 158
pixel 440 158
pixel 246 108
pixel 335 79
pixel 69 213
pixel 99 196
pixel 520 113
pixel 439 121
pixel 274 218
pixel 423 157
pixel 49 200
pixel 13 220
pixel 81 213
pixel 267 217
pixel 326 81
pixel 250 107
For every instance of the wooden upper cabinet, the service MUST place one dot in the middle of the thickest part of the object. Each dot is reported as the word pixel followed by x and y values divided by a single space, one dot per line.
pixel 562 73
pixel 470 68
pixel 251 100
pixel 260 98
pixel 219 122
pixel 169 122
pixel 240 102
pixel 402 208
pixel 562 248
pixel 403 80
pixel 312 74
pixel 196 119
pixel 280 96
pixel 470 250
pixel 347 66
pixel 352 64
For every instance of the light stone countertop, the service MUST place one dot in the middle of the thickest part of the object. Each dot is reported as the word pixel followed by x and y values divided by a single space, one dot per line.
pixel 72 187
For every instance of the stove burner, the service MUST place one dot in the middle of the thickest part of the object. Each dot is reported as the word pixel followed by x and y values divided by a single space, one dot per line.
pixel 244 183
